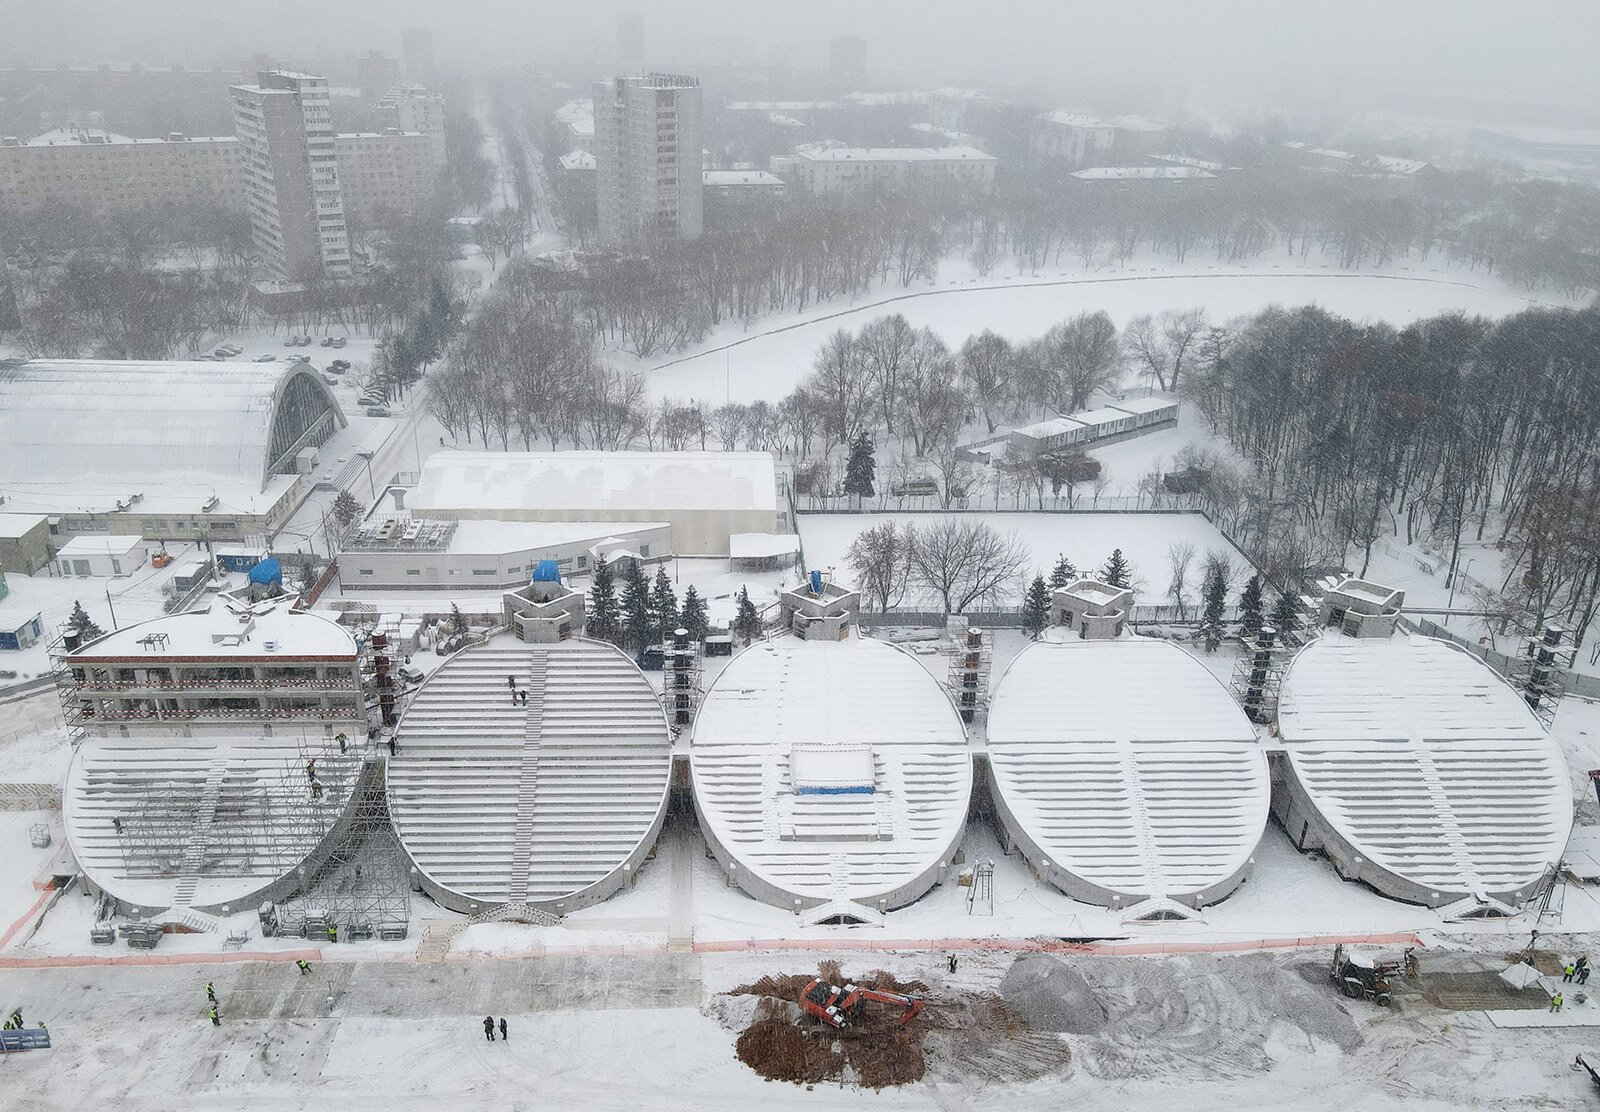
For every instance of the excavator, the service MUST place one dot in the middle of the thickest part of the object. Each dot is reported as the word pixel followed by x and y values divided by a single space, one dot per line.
pixel 842 1008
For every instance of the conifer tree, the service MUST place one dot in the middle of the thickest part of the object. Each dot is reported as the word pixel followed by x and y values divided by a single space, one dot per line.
pixel 637 631
pixel 1250 608
pixel 79 620
pixel 1116 570
pixel 693 617
pixel 663 604
pixel 747 622
pixel 1036 608
pixel 1063 573
pixel 1215 598
pixel 1285 616
pixel 602 620
pixel 861 469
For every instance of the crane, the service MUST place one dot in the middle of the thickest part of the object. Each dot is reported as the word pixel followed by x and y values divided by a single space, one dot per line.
pixel 844 1007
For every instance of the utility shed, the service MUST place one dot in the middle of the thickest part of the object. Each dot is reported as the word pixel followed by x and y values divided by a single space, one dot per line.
pixel 830 772
pixel 24 542
pixel 1419 771
pixel 1126 772
pixel 706 496
pixel 553 802
pixel 101 556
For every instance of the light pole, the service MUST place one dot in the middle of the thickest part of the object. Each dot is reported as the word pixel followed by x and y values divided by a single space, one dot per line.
pixel 1453 581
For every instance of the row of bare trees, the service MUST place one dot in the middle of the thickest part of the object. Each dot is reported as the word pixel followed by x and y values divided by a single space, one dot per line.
pixel 960 562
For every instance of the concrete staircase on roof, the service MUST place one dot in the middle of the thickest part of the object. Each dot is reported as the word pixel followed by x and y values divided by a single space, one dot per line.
pixel 527 786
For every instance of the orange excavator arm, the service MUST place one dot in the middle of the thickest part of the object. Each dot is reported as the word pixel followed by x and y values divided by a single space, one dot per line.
pixel 840 1007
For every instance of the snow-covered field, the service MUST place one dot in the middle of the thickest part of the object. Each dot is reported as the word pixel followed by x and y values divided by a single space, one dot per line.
pixel 1085 538
pixel 768 357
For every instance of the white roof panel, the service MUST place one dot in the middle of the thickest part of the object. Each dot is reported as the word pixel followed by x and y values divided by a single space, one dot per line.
pixel 656 482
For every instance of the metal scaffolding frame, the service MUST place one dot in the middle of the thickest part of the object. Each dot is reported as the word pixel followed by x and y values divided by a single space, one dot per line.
pixel 968 676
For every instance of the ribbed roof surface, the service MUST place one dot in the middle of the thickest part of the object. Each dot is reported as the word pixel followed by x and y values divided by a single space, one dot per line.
pixel 499 802
pixel 1428 763
pixel 815 696
pixel 1127 764
pixel 205 821
pixel 90 423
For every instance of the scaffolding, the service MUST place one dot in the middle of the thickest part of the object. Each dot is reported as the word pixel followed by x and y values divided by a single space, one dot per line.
pixel 67 681
pixel 968 675
pixel 681 692
pixel 1540 670
pixel 1259 674
pixel 980 895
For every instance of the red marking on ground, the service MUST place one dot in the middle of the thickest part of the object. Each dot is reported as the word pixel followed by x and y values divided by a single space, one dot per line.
pixel 20 923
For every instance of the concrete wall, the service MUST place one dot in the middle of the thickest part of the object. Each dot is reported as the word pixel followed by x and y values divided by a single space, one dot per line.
pixel 29 552
pixel 391 571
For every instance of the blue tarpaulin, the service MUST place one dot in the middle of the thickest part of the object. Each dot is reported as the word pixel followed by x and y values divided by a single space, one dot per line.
pixel 267 571
pixel 548 571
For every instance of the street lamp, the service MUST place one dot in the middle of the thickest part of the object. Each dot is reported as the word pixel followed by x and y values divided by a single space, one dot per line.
pixel 1455 579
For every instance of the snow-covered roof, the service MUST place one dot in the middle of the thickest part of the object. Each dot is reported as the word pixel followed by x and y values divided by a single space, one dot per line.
pixel 1430 772
pixel 1051 426
pixel 1074 119
pixel 1102 416
pixel 482 537
pixel 229 631
pixel 1126 771
pixel 554 802
pixel 895 154
pixel 756 545
pixel 786 701
pixel 13 526
pixel 616 481
pixel 1151 404
pixel 740 177
pixel 1141 173
pixel 80 426
pixel 577 160
pixel 205 822
pixel 1183 160
pixel 1138 123
pixel 875 100
pixel 783 105
pixel 100 544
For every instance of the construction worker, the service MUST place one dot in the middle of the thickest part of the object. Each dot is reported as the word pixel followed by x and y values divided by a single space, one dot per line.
pixel 340 738
pixel 503 1036
pixel 1583 971
pixel 393 748
pixel 211 992
pixel 116 824
pixel 305 966
pixel 1556 1002
pixel 16 1019
pixel 316 789
pixel 488 1027
pixel 333 932
pixel 216 1020
pixel 952 963
pixel 311 769
pixel 1568 971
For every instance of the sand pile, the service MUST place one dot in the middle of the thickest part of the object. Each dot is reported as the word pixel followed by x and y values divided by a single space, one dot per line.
pixel 1049 995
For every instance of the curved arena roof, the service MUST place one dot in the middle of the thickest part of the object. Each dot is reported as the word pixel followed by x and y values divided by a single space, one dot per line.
pixel 93 423
pixel 1421 771
pixel 829 771
pixel 1126 771
pixel 554 803
pixel 216 824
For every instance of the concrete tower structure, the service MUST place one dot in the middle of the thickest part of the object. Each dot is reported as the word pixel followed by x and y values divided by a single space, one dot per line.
pixel 648 158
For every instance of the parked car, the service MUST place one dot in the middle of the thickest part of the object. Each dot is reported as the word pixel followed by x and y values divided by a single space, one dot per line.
pixel 330 380
pixel 327 341
pixel 343 365
pixel 412 674
pixel 222 353
pixel 265 358
pixel 369 399
pixel 338 341
pixel 232 349
pixel 377 411
pixel 306 359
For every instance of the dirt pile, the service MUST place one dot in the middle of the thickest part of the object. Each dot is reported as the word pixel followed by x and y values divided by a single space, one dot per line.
pixel 957 1037
pixel 1050 995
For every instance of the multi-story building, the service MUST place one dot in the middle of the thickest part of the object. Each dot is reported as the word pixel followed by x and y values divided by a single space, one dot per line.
pixel 97 169
pixel 853 169
pixel 291 176
pixel 414 108
pixel 1072 136
pixel 376 73
pixel 648 158
pixel 416 48
pixel 387 170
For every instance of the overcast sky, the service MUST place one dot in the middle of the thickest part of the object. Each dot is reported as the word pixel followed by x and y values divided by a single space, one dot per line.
pixel 1355 53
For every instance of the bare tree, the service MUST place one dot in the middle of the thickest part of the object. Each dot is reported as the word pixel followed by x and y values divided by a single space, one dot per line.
pixel 1181 556
pixel 879 558
pixel 988 369
pixel 1181 329
pixel 840 385
pixel 964 561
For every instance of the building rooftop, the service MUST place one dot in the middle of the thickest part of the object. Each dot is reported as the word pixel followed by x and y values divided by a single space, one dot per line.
pixel 577 160
pixel 740 177
pixel 230 630
pixel 1074 119
pixel 785 708
pixel 99 544
pixel 1141 173
pixel 783 106
pixel 97 137
pixel 616 481
pixel 896 154
pixel 1119 794
pixel 15 525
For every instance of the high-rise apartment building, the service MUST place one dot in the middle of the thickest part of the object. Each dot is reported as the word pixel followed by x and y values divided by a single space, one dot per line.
pixel 416 48
pixel 290 169
pixel 648 158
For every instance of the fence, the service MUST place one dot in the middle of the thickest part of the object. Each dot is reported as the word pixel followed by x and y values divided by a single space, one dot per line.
pixel 885 502
pixel 1587 687
pixel 1012 619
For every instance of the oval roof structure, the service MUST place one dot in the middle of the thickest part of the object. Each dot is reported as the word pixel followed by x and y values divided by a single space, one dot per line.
pixel 215 824
pixel 1126 772
pixel 1420 770
pixel 553 802
pixel 830 772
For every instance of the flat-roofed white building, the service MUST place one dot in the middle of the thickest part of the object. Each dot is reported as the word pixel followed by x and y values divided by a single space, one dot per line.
pixel 1118 797
pixel 706 497
pixel 1419 771
pixel 825 170
pixel 101 556
pixel 830 773
pixel 1074 136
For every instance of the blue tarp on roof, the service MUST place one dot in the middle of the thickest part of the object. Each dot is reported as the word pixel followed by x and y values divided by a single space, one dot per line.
pixel 548 571
pixel 267 571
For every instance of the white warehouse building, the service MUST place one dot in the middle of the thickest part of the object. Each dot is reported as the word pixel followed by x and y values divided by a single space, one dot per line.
pixel 705 497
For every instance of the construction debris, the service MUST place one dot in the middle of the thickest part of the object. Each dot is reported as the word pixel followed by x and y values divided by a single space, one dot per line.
pixel 958 1036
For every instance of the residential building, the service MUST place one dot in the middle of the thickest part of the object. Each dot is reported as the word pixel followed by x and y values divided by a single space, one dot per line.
pixel 1072 136
pixel 728 192
pixel 395 170
pixel 853 169
pixel 291 175
pixel 416 48
pixel 649 158
pixel 93 168
pixel 416 108
pixel 576 119
pixel 376 73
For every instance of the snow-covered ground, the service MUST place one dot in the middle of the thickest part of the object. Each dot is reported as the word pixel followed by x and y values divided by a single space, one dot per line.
pixel 1085 538
pixel 768 357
